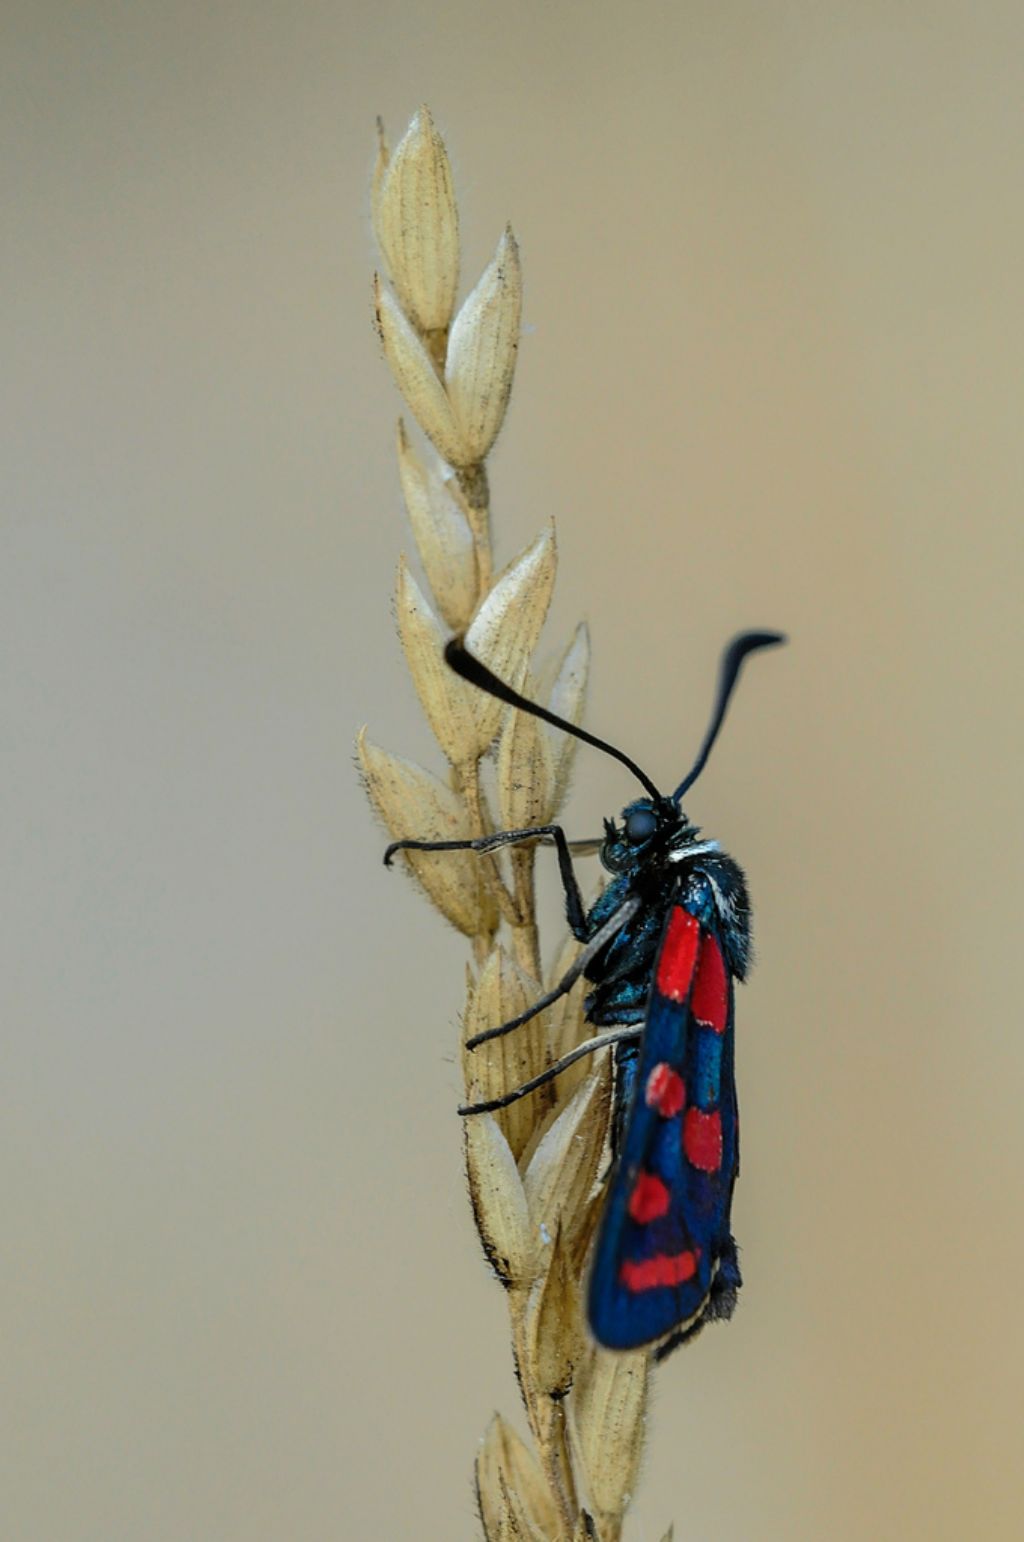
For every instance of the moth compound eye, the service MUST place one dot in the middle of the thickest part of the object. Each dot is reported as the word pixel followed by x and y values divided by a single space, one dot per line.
pixel 640 826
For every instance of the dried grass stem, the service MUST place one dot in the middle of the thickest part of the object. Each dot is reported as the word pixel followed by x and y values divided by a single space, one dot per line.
pixel 533 1169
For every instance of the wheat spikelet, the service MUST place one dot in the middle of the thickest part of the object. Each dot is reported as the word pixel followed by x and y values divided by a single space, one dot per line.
pixel 533 1168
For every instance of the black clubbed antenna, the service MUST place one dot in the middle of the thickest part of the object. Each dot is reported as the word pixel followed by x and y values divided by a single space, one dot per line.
pixel 728 674
pixel 470 668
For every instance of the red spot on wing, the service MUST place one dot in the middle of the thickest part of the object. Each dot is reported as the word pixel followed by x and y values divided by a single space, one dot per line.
pixel 649 1199
pixel 678 955
pixel 710 1000
pixel 702 1139
pixel 665 1090
pixel 662 1269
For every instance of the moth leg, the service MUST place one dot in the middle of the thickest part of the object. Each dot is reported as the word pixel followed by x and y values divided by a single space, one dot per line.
pixel 578 966
pixel 588 1048
pixel 574 907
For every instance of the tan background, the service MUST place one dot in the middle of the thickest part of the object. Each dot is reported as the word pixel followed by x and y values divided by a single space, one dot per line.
pixel 771 375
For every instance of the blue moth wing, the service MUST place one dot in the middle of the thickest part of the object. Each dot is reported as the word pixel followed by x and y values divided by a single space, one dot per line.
pixel 665 1260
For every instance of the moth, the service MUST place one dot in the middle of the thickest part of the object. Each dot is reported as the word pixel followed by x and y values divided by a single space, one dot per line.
pixel 663 947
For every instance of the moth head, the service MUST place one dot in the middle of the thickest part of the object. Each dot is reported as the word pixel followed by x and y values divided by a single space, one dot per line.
pixel 642 822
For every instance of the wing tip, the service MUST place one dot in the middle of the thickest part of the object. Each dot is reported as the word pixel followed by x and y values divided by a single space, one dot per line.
pixel 645 1326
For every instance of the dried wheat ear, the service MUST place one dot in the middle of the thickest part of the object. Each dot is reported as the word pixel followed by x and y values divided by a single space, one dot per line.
pixel 533 1168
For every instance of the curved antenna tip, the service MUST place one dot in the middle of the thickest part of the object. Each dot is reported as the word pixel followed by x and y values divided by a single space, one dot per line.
pixel 728 673
pixel 756 639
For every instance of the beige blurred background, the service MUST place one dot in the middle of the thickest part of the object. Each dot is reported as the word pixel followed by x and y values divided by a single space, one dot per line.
pixel 771 374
